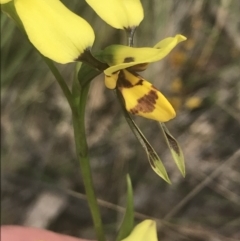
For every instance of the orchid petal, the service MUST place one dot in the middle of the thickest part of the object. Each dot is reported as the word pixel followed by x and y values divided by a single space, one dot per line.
pixel 54 30
pixel 120 14
pixel 143 99
pixel 122 57
pixel 111 80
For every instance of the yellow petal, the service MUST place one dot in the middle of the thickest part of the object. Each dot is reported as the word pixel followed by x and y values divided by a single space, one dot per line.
pixel 111 80
pixel 121 57
pixel 118 13
pixel 54 30
pixel 134 11
pixel 143 99
pixel 145 231
pixel 4 1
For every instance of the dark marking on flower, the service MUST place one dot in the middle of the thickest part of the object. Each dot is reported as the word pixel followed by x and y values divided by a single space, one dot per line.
pixel 128 60
pixel 173 144
pixel 140 82
pixel 138 67
pixel 154 87
pixel 146 104
pixel 87 57
pixel 123 82
pixel 152 162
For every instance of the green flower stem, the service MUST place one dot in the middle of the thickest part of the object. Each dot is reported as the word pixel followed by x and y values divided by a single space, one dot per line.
pixel 60 81
pixel 82 153
pixel 78 113
pixel 77 102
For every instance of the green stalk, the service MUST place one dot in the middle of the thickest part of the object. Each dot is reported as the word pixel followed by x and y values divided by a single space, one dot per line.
pixel 60 81
pixel 78 114
pixel 83 156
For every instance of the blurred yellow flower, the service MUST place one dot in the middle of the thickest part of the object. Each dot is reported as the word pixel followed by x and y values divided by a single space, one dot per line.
pixel 145 231
pixel 193 102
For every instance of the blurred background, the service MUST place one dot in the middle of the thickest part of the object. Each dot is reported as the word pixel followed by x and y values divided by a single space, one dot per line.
pixel 40 179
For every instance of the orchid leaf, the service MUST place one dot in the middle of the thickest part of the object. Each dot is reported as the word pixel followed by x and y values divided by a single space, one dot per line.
pixel 128 220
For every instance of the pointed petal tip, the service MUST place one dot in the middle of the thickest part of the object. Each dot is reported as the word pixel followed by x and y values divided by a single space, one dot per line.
pixel 180 38
pixel 183 172
pixel 168 182
pixel 164 176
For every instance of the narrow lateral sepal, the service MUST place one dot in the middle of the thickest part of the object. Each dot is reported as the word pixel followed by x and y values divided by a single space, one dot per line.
pixel 175 149
pixel 154 160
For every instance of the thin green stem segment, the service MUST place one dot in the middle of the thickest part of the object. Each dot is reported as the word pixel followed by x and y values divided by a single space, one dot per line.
pixel 82 153
pixel 78 113
pixel 60 81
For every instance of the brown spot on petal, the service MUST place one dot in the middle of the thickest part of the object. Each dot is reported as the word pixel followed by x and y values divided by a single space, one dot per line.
pixel 138 67
pixel 128 60
pixel 154 87
pixel 123 82
pixel 146 104
pixel 173 144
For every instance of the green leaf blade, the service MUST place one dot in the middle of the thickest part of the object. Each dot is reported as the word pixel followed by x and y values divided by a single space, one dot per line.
pixel 128 220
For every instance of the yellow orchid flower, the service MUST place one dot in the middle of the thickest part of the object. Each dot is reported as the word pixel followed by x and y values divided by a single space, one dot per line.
pixel 145 231
pixel 141 97
pixel 51 28
pixel 120 14
pixel 54 30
